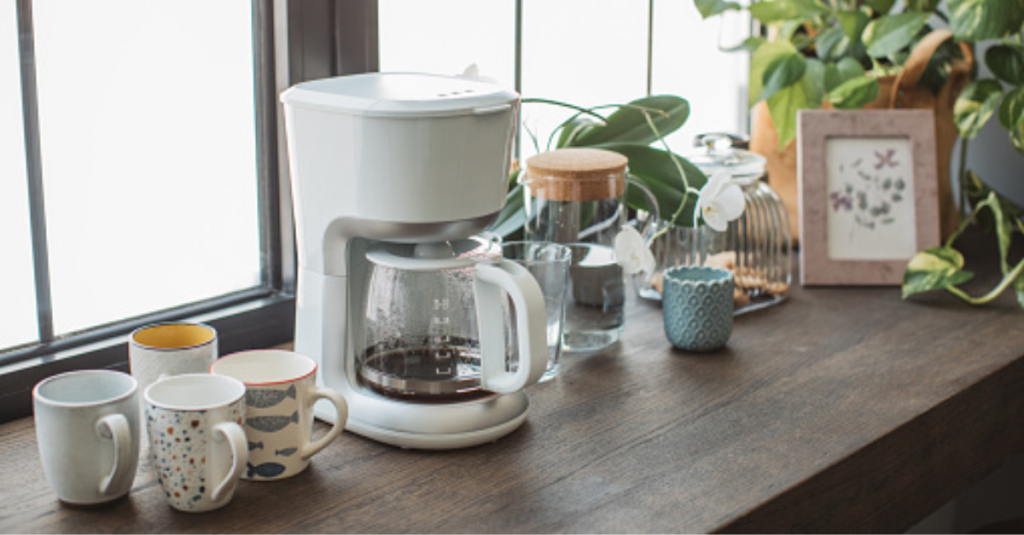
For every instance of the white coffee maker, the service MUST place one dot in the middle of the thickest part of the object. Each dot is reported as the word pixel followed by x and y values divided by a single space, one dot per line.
pixel 393 176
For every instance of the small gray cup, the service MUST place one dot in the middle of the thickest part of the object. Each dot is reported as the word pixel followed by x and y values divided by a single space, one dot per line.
pixel 697 304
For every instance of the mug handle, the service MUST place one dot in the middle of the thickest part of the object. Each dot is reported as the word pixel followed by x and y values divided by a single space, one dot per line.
pixel 531 325
pixel 115 427
pixel 235 437
pixel 341 407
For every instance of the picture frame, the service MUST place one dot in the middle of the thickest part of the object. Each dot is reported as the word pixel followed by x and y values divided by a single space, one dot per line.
pixel 868 194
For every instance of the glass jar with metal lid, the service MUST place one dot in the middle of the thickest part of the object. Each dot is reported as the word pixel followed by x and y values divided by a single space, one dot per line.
pixel 757 247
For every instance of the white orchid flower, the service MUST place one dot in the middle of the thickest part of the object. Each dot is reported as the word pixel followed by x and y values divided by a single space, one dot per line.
pixel 720 201
pixel 632 253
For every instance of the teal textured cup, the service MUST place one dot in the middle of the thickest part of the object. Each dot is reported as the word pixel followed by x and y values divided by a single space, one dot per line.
pixel 697 307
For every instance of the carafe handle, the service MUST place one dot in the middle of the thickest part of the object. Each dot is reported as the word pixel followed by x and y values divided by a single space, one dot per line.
pixel 531 325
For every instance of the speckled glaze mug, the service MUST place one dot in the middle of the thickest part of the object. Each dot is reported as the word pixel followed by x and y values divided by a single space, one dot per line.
pixel 697 304
pixel 87 428
pixel 196 439
pixel 280 392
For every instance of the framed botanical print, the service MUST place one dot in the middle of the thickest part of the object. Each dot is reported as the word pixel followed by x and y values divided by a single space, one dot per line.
pixel 868 194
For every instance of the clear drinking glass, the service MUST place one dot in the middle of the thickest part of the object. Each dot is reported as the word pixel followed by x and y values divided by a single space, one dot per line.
pixel 549 264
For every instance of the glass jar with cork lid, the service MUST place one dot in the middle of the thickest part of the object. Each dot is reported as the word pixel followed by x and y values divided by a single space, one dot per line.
pixel 577 197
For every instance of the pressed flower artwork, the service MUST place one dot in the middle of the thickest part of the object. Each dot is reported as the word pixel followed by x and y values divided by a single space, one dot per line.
pixel 870 198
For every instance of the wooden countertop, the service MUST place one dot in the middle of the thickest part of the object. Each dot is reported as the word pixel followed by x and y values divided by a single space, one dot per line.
pixel 840 410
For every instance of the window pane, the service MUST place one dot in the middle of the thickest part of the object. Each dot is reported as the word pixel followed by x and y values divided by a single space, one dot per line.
pixel 583 52
pixel 687 62
pixel 148 145
pixel 18 305
pixel 420 36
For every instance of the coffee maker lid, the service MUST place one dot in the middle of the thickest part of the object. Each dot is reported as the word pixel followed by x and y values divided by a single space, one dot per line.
pixel 400 95
pixel 434 256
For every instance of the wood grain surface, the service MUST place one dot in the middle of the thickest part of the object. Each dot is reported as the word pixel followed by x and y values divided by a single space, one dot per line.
pixel 842 410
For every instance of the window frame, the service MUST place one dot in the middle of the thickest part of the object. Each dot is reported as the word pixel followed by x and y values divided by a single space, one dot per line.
pixel 293 42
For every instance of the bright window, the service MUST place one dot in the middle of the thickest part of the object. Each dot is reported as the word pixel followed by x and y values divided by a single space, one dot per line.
pixel 584 52
pixel 147 158
pixel 148 154
pixel 17 307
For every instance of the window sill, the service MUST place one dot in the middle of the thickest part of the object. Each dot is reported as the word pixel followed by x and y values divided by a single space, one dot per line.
pixel 253 322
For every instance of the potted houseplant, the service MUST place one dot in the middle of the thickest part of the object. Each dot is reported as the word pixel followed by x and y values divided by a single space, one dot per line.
pixel 852 54
pixel 1002 96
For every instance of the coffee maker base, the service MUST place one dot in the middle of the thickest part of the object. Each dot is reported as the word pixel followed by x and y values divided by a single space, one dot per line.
pixel 435 441
pixel 433 427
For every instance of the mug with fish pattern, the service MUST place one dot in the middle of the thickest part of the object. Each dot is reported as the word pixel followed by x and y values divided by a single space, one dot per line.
pixel 280 392
pixel 196 439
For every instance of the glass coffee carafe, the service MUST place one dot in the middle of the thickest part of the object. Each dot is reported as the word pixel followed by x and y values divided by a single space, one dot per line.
pixel 437 322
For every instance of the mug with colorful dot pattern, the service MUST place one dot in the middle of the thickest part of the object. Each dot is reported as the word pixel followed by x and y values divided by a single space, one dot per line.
pixel 196 439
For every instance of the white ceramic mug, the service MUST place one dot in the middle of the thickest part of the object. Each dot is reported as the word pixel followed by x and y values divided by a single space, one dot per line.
pixel 280 392
pixel 196 439
pixel 166 349
pixel 87 427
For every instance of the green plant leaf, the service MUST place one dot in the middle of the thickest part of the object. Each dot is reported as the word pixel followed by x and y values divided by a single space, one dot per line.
pixel 922 5
pixel 655 168
pixel 979 20
pixel 1018 287
pixel 710 8
pixel 773 11
pixel 784 106
pixel 1004 233
pixel 749 44
pixel 783 71
pixel 891 33
pixel 849 68
pixel 764 56
pixel 1011 111
pixel 975 105
pixel 814 82
pixel 934 269
pixel 1004 229
pixel 831 78
pixel 832 44
pixel 629 124
pixel 854 93
pixel 880 6
pixel 574 128
pixel 809 8
pixel 853 23
pixel 1017 139
pixel 1006 61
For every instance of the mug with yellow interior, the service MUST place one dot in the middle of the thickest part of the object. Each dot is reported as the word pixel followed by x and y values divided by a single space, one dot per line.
pixel 168 349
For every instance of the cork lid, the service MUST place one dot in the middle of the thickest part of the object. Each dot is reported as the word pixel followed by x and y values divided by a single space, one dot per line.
pixel 576 174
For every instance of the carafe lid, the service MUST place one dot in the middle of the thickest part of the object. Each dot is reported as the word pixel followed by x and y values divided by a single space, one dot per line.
pixel 576 174
pixel 718 153
pixel 435 256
